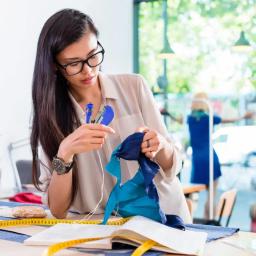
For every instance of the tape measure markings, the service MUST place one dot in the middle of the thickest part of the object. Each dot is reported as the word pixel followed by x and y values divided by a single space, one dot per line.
pixel 51 250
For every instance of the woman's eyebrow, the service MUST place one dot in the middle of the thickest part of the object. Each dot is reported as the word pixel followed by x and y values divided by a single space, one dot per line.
pixel 78 58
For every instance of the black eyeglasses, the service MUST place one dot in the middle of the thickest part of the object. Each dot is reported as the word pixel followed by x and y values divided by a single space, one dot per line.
pixel 76 67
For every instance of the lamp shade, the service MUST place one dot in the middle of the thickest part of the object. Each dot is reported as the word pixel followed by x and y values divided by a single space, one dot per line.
pixel 242 44
pixel 167 51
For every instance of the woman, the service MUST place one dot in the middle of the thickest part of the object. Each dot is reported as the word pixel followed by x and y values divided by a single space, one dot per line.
pixel 198 122
pixel 73 154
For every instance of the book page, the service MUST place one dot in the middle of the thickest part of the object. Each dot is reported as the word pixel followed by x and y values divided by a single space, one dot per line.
pixel 187 242
pixel 137 229
pixel 65 232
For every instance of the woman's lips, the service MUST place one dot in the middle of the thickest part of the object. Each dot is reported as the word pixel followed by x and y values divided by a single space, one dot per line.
pixel 87 80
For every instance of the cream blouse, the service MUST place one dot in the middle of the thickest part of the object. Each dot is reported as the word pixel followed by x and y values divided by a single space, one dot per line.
pixel 134 106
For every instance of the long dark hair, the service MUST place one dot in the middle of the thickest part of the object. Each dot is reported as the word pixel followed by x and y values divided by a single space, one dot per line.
pixel 54 116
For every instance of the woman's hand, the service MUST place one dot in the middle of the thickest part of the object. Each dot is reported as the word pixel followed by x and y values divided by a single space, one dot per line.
pixel 152 142
pixel 86 138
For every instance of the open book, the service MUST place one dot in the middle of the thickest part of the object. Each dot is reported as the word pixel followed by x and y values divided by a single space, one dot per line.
pixel 135 231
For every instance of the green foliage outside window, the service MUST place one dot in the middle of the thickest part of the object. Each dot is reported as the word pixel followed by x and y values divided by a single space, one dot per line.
pixel 202 33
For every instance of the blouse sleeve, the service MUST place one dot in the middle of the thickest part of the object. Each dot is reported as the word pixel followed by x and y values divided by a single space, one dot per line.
pixel 45 174
pixel 153 120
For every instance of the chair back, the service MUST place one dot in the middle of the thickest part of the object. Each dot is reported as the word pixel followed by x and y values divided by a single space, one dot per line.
pixel 24 168
pixel 226 204
pixel 190 206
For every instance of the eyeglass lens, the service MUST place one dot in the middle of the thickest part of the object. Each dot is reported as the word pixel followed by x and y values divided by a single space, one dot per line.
pixel 93 61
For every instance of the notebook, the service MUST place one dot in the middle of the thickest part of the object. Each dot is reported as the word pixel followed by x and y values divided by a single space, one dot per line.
pixel 135 231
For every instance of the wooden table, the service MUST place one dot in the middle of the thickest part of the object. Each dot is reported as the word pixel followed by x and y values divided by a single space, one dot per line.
pixel 240 244
pixel 222 247
pixel 190 188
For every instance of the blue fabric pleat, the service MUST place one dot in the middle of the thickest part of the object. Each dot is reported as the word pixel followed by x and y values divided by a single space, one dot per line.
pixel 213 232
pixel 175 221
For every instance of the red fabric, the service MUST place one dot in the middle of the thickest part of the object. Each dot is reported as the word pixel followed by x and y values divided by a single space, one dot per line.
pixel 26 197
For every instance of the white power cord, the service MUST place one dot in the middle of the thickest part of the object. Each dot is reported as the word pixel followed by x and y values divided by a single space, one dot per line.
pixel 91 213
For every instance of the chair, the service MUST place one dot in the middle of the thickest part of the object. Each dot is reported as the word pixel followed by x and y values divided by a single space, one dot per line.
pixel 22 144
pixel 24 168
pixel 226 205
pixel 190 206
pixel 225 208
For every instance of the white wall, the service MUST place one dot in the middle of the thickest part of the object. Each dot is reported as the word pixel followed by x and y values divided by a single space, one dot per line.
pixel 20 25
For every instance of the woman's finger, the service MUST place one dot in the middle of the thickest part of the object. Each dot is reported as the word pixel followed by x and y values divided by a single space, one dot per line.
pixel 97 141
pixel 90 135
pixel 88 147
pixel 88 144
pixel 149 143
pixel 149 135
pixel 100 127
pixel 151 149
pixel 88 141
pixel 150 155
pixel 98 134
pixel 142 129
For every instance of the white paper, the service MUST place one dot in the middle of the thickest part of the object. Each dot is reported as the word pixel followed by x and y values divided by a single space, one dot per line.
pixel 64 232
pixel 186 242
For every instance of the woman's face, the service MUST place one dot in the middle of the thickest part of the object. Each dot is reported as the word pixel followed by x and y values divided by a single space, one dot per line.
pixel 71 56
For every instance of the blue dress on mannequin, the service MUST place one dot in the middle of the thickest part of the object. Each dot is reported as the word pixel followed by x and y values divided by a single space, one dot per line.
pixel 198 123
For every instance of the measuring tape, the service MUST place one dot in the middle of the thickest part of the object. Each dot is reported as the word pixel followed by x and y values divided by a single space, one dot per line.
pixel 51 250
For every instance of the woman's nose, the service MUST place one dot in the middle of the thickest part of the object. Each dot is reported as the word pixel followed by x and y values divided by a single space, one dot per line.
pixel 86 69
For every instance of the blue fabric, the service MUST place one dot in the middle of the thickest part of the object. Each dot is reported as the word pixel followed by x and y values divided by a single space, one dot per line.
pixel 138 196
pixel 147 167
pixel 13 236
pixel 9 235
pixel 213 232
pixel 199 139
pixel 13 204
pixel 175 221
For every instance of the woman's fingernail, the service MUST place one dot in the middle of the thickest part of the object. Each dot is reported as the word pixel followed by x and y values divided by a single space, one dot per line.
pixel 112 130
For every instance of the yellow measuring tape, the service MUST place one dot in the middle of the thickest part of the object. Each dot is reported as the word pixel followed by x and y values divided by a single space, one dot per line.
pixel 51 250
